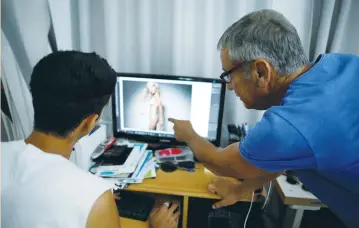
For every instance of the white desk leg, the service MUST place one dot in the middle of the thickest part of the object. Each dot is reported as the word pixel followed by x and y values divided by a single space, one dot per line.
pixel 294 214
pixel 298 218
pixel 293 218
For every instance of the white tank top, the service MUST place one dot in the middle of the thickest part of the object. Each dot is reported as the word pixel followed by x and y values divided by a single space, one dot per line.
pixel 45 190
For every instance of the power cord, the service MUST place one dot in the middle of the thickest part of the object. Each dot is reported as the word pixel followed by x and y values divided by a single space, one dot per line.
pixel 266 200
pixel 92 167
pixel 249 210
pixel 265 203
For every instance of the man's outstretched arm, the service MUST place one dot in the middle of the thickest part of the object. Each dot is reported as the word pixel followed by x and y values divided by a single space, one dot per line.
pixel 223 161
pixel 226 161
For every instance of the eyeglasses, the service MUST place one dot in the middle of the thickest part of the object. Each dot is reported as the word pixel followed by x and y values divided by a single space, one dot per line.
pixel 226 76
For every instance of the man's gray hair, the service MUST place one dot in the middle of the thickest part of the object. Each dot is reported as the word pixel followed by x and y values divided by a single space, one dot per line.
pixel 265 34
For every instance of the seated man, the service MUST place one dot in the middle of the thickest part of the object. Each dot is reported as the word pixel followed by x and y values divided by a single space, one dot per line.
pixel 40 186
pixel 311 125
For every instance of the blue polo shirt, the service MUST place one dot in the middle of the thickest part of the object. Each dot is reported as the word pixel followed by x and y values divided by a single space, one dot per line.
pixel 315 133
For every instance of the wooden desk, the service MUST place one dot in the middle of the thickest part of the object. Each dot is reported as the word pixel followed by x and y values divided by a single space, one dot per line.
pixel 178 183
pixel 131 223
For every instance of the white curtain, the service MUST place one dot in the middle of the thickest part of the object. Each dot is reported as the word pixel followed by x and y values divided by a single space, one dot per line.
pixel 179 37
pixel 19 98
pixel 24 29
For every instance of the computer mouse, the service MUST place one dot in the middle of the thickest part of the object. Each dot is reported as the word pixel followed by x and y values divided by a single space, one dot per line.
pixel 175 210
pixel 168 166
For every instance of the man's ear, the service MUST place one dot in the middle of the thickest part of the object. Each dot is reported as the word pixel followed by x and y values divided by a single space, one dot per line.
pixel 262 72
pixel 89 123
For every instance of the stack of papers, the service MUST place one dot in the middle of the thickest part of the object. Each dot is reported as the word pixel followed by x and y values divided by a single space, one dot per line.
pixel 146 168
pixel 143 166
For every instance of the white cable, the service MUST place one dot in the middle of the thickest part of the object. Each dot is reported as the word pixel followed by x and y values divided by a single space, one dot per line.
pixel 266 200
pixel 249 210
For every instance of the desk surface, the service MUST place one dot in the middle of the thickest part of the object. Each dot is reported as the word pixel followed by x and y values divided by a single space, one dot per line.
pixel 295 195
pixel 126 222
pixel 181 183
pixel 178 183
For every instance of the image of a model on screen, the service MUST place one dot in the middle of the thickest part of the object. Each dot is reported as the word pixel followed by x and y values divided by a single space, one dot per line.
pixel 153 97
pixel 148 103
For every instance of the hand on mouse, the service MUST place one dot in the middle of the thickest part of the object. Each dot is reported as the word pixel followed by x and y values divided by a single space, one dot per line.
pixel 165 216
pixel 183 129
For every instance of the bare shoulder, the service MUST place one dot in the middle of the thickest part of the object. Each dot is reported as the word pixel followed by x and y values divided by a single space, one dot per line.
pixel 104 212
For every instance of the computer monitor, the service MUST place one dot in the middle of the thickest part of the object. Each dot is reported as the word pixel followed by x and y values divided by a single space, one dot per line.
pixel 142 104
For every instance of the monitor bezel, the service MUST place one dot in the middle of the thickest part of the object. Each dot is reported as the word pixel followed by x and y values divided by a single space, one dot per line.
pixel 166 140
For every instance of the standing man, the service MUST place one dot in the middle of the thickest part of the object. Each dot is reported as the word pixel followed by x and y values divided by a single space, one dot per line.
pixel 311 125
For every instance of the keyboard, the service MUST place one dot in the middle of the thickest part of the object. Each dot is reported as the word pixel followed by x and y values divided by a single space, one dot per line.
pixel 134 205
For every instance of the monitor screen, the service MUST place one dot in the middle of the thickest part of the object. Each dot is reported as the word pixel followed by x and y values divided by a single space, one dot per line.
pixel 143 103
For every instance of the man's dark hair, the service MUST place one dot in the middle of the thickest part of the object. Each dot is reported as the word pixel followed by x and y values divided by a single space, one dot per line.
pixel 67 87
